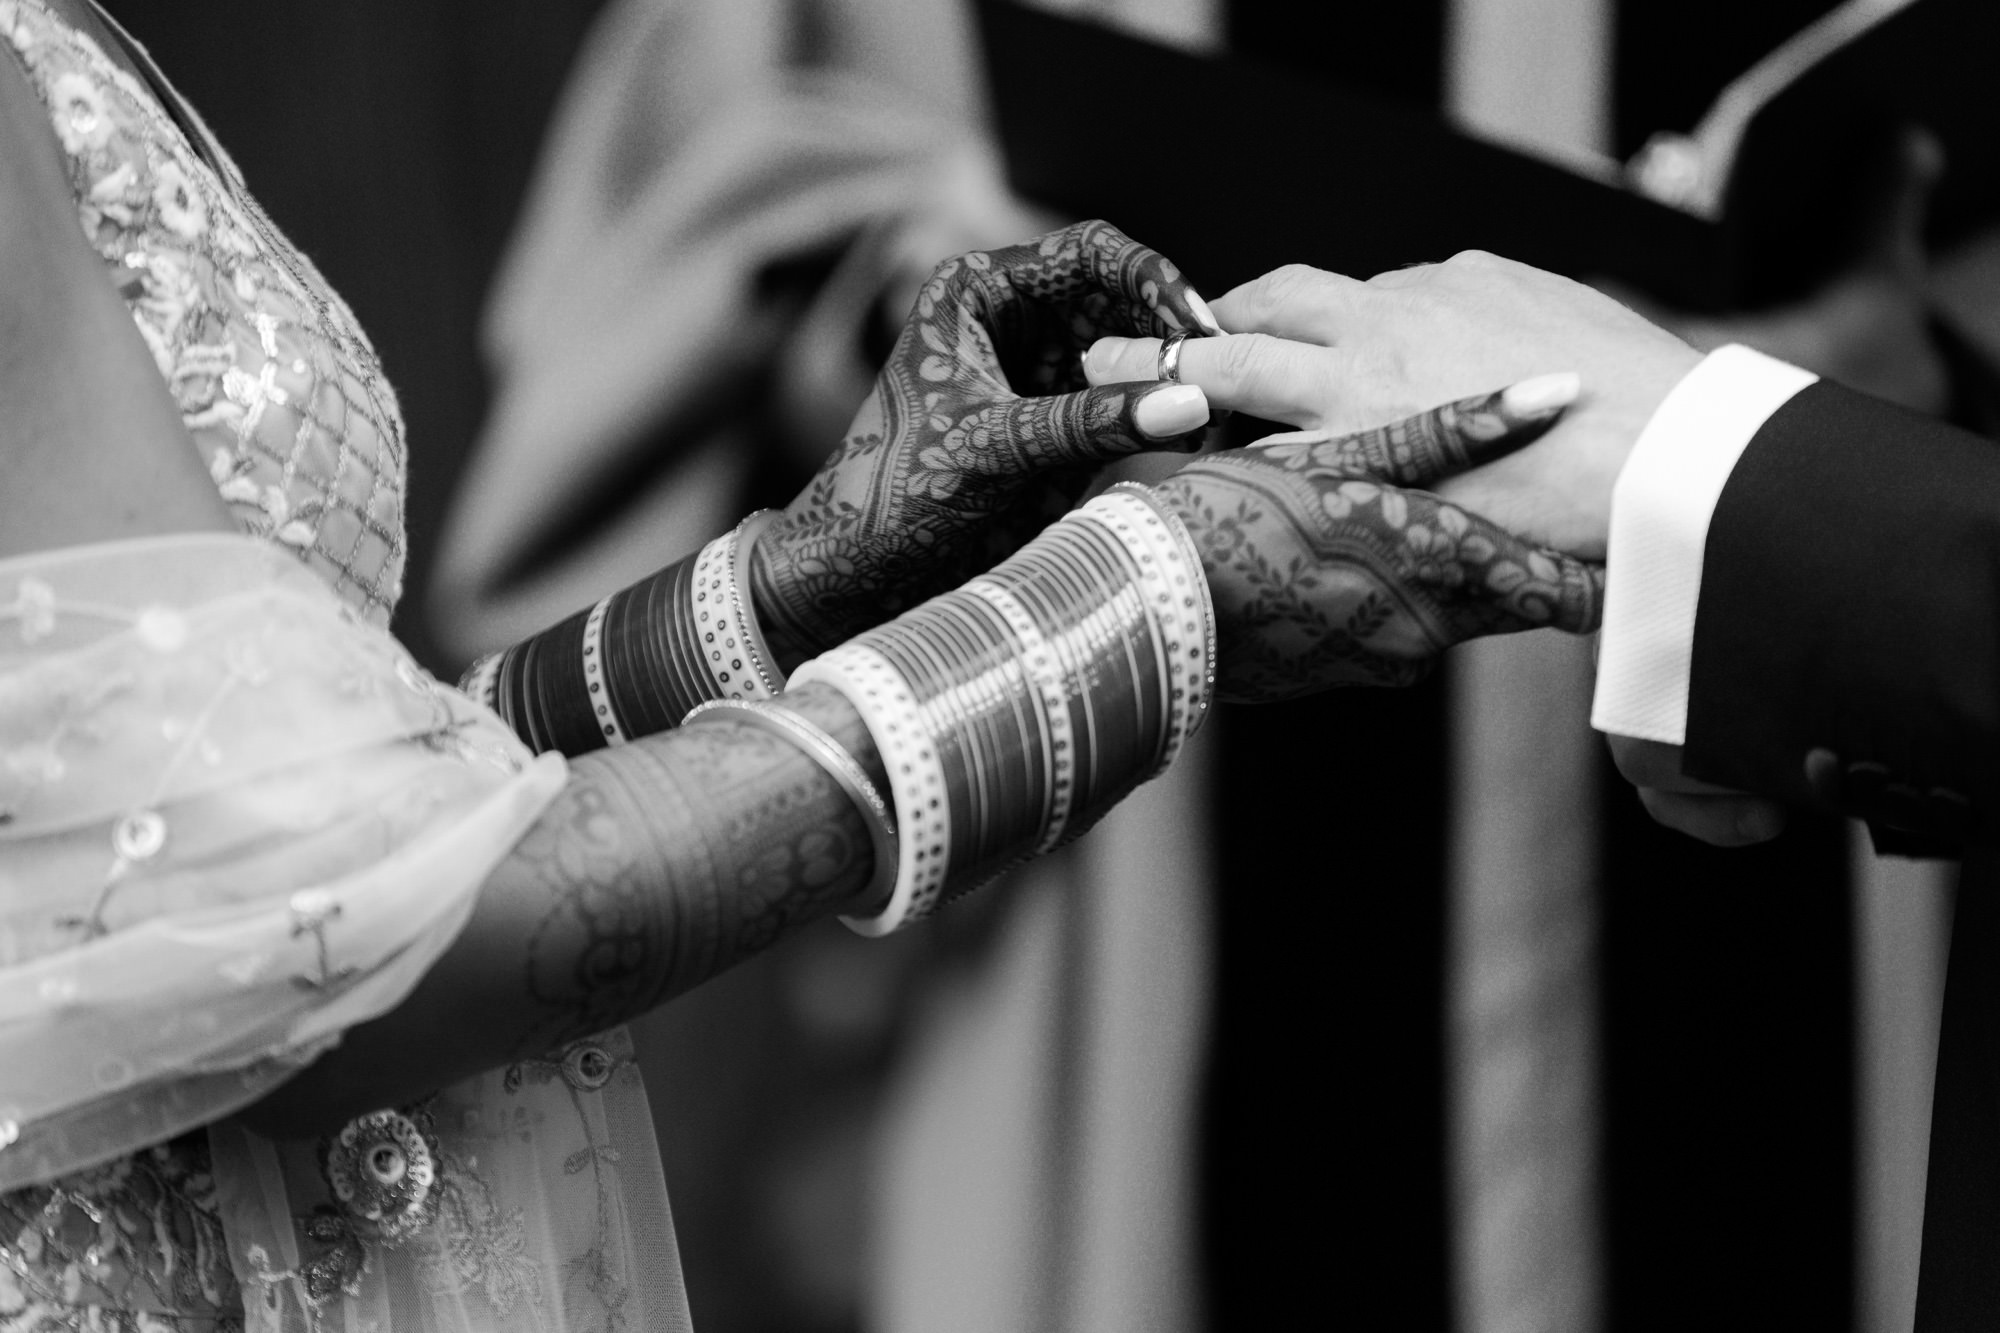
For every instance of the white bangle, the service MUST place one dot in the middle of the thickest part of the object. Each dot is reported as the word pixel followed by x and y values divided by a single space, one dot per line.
pixel 1171 580
pixel 888 707
pixel 727 652
pixel 603 715
pixel 761 660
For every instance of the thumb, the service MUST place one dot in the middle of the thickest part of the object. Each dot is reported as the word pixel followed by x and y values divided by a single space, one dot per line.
pixel 1088 427
pixel 1511 584
pixel 1430 446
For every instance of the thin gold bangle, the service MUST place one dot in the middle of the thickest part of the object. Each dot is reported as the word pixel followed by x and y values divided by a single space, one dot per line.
pixel 839 765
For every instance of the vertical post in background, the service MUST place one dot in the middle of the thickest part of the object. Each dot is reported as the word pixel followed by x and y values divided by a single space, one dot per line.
pixel 1902 933
pixel 1522 1004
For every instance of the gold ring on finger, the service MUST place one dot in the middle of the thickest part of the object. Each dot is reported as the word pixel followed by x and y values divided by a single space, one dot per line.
pixel 1169 368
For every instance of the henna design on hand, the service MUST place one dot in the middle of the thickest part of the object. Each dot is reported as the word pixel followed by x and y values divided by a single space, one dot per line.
pixel 980 431
pixel 1326 572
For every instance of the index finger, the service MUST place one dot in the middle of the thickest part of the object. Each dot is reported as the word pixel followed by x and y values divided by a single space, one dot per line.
pixel 1143 290
pixel 1273 378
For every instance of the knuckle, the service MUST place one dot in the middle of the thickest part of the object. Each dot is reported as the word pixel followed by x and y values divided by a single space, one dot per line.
pixel 1287 285
pixel 1241 358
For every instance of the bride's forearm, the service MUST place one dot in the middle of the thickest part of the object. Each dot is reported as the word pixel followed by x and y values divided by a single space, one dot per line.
pixel 661 863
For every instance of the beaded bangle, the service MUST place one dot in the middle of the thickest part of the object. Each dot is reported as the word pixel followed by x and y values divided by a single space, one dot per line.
pixel 636 662
pixel 729 642
pixel 594 679
pixel 762 663
pixel 916 779
pixel 839 765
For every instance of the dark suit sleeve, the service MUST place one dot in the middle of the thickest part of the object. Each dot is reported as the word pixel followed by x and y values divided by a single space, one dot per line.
pixel 1850 612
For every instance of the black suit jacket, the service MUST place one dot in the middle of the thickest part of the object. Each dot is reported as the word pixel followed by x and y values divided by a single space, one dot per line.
pixel 1847 650
pixel 1847 640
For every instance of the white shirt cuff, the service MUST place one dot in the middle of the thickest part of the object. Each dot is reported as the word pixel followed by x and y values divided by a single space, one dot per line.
pixel 1660 511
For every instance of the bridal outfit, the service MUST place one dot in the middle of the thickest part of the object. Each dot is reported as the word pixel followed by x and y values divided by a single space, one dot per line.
pixel 237 819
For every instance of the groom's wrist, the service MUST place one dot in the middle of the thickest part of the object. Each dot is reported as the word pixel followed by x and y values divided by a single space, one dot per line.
pixel 1660 512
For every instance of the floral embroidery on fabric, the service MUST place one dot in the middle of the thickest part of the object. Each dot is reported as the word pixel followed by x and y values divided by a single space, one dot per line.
pixel 283 396
pixel 394 1186
pixel 588 1066
pixel 287 407
pixel 135 1246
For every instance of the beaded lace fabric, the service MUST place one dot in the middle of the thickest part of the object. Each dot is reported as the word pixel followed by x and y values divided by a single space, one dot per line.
pixel 235 819
pixel 278 388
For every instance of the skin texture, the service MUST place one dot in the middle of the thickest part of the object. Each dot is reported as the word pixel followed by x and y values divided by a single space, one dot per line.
pixel 1715 815
pixel 980 431
pixel 1325 571
pixel 1321 351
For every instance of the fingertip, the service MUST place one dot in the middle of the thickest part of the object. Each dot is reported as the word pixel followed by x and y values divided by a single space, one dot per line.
pixel 1169 411
pixel 1100 358
pixel 1292 437
pixel 1542 396
pixel 1202 314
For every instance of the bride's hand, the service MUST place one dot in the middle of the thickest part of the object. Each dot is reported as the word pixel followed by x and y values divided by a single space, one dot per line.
pixel 1325 571
pixel 981 430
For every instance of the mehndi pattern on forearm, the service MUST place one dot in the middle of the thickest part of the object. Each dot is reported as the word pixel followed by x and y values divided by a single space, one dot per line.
pixel 695 850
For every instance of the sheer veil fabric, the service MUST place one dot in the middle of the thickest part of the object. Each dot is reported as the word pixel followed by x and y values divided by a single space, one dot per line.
pixel 236 819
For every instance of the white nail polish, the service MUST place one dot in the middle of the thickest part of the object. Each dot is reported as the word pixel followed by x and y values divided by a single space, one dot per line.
pixel 1175 410
pixel 1293 437
pixel 1203 313
pixel 1542 394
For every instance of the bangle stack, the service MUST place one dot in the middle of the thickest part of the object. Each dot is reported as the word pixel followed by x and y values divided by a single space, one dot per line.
pixel 1012 713
pixel 638 661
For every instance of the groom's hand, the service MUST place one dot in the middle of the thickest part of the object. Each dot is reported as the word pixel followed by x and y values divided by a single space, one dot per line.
pixel 1320 351
pixel 1715 815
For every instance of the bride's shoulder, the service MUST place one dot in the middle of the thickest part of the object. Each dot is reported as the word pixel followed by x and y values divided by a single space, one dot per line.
pixel 90 441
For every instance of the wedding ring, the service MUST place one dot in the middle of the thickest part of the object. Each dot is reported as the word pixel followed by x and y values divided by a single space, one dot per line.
pixel 1170 359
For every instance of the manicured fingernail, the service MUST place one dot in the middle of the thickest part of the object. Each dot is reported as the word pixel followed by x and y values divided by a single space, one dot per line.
pixel 1292 437
pixel 1100 357
pixel 1174 410
pixel 1541 395
pixel 1202 312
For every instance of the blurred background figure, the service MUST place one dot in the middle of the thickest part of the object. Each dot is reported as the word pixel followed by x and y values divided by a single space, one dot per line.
pixel 735 206
pixel 1557 1074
